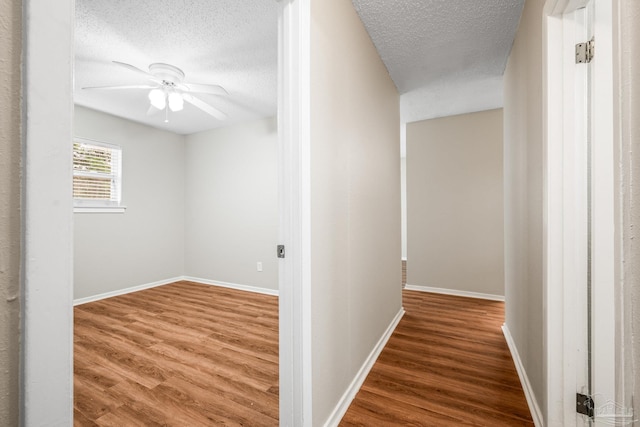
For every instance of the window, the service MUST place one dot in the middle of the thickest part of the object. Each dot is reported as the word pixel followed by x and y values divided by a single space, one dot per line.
pixel 97 176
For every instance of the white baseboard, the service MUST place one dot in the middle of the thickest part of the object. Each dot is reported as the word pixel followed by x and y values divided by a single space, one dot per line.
pixel 348 396
pixel 172 280
pixel 454 292
pixel 125 291
pixel 236 286
pixel 534 408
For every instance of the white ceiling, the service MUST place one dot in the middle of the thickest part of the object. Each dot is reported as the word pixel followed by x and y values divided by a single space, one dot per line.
pixel 445 56
pixel 225 42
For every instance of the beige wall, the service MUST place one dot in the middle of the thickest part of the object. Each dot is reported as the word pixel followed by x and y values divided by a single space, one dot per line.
pixel 10 56
pixel 204 207
pixel 629 31
pixel 523 176
pixel 355 200
pixel 454 203
pixel 146 243
pixel 231 204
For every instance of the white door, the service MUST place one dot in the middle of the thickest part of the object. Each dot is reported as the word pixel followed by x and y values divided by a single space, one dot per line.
pixel 595 257
pixel 580 261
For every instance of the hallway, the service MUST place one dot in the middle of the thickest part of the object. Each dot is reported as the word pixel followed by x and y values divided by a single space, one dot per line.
pixel 446 364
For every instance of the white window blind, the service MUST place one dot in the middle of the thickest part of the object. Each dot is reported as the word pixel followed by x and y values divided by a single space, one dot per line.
pixel 97 174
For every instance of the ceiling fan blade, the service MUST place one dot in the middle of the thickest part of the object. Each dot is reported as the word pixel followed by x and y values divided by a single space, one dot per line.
pixel 196 102
pixel 210 89
pixel 136 70
pixel 121 87
pixel 153 110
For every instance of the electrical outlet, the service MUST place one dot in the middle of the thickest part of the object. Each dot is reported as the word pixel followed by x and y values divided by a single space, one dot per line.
pixel 259 266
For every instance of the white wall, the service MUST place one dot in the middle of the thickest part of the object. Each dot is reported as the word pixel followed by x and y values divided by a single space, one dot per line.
pixel 628 333
pixel 454 203
pixel 355 201
pixel 202 206
pixel 146 243
pixel 523 177
pixel 10 166
pixel 231 203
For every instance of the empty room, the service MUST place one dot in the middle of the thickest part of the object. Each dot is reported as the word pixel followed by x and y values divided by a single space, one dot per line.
pixel 175 214
pixel 319 213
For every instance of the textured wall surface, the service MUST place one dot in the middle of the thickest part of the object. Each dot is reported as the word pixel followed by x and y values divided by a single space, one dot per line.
pixel 10 51
pixel 523 177
pixel 224 42
pixel 355 200
pixel 455 203
pixel 630 155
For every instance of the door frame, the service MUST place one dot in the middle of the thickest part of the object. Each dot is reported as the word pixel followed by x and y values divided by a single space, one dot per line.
pixel 46 372
pixel 561 240
pixel 294 182
pixel 46 353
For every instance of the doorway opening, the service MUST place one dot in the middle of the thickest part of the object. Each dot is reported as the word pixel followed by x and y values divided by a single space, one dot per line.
pixel 47 272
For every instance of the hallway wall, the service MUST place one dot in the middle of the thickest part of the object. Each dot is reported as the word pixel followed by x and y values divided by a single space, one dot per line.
pixel 355 201
pixel 455 209
pixel 523 192
pixel 10 168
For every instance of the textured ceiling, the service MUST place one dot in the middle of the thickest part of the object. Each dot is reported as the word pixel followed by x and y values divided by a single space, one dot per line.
pixel 225 42
pixel 445 56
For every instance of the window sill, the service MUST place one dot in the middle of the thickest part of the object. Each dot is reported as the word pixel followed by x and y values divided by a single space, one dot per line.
pixel 99 209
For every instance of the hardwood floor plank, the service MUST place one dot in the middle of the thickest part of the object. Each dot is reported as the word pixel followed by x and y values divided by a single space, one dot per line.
pixel 89 400
pixel 447 363
pixel 243 412
pixel 188 354
pixel 157 406
pixel 372 409
pixel 183 354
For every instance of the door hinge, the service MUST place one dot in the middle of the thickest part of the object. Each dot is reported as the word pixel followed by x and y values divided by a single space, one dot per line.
pixel 585 51
pixel 584 405
pixel 280 251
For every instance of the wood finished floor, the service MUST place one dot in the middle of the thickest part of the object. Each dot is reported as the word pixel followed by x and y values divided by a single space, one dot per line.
pixel 183 354
pixel 188 354
pixel 446 364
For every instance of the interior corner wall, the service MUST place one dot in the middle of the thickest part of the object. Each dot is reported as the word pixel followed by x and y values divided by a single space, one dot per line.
pixel 455 221
pixel 10 168
pixel 231 203
pixel 115 251
pixel 523 196
pixel 355 201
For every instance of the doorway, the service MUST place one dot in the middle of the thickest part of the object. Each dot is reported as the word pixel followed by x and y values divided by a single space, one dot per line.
pixel 47 271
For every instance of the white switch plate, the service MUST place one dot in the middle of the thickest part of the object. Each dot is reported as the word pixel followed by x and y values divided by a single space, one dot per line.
pixel 259 266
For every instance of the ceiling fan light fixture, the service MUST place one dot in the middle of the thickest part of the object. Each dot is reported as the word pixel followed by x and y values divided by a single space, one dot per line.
pixel 176 103
pixel 157 97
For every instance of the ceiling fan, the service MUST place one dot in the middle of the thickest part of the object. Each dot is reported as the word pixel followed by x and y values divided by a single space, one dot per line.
pixel 168 90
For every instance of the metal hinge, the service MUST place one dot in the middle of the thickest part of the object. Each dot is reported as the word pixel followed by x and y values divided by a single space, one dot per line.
pixel 280 251
pixel 584 405
pixel 585 51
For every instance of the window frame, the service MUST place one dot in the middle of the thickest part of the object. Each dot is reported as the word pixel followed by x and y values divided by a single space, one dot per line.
pixel 101 205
